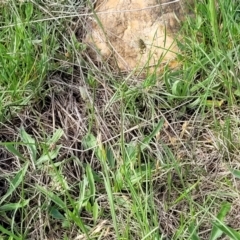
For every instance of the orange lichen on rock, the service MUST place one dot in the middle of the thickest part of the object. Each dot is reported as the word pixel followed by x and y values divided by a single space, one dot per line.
pixel 136 34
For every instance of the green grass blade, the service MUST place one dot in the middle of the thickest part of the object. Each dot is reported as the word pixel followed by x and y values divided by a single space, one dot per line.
pixel 54 212
pixel 213 21
pixel 193 231
pixel 89 142
pixel 91 181
pixel 14 151
pixel 216 231
pixel 49 155
pixel 10 234
pixel 150 233
pixel 30 143
pixel 230 232
pixel 111 202
pixel 14 206
pixel 57 200
pixel 224 210
pixel 56 136
pixel 155 131
pixel 15 182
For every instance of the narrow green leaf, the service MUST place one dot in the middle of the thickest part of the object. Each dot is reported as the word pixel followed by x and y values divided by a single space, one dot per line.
pixel 90 141
pixel 110 158
pixel 216 232
pixel 88 207
pixel 118 181
pixel 186 192
pixel 75 217
pixel 54 212
pixel 155 131
pixel 195 103
pixel 15 182
pixel 15 152
pixel 53 197
pixel 49 156
pixel 132 151
pixel 225 208
pixel 91 181
pixel 192 230
pixel 82 186
pixel 30 143
pixel 13 206
pixel 5 231
pixel 29 10
pixel 95 209
pixel 56 136
pixel 111 202
pixel 213 20
pixel 233 234
pixel 176 88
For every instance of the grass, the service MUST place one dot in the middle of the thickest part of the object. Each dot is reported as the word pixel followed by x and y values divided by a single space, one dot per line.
pixel 86 154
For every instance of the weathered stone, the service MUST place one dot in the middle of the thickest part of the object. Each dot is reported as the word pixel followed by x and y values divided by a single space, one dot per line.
pixel 136 34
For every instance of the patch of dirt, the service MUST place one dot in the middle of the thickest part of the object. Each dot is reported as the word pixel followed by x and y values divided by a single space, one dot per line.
pixel 137 34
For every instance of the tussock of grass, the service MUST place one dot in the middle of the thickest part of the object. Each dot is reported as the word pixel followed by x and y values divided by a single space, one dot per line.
pixel 96 155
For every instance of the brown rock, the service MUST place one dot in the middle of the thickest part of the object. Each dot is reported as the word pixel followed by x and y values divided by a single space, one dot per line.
pixel 137 34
